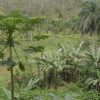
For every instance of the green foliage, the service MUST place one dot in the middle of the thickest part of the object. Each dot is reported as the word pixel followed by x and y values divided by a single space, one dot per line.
pixel 93 57
pixel 56 25
pixel 89 95
pixel 1 55
pixel 21 66
pixel 75 64
pixel 59 95
pixel 88 18
pixel 6 94
pixel 35 49
pixel 40 37
pixel 30 22
pixel 16 14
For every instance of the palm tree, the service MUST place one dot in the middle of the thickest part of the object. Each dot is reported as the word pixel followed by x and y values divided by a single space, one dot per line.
pixel 88 18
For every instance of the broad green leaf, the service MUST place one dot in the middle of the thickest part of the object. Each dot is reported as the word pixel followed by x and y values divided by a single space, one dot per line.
pixel 1 55
pixel 21 66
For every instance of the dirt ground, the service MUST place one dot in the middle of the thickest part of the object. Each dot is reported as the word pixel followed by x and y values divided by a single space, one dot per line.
pixel 4 75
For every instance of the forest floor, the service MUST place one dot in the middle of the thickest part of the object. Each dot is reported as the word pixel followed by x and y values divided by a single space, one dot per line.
pixel 4 79
pixel 4 75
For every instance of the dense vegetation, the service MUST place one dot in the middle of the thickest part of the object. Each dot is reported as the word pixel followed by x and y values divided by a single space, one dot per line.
pixel 51 52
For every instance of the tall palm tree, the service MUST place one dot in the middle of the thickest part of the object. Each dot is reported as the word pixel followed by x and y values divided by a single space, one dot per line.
pixel 88 18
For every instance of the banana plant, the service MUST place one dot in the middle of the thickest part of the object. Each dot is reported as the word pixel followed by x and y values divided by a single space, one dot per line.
pixel 93 57
pixel 72 57
pixel 94 81
pixel 64 58
pixel 93 63
pixel 53 64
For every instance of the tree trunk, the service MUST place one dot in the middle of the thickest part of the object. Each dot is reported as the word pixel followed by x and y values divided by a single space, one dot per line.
pixel 93 41
pixel 11 72
pixel 45 78
pixel 56 80
pixel 81 37
pixel 31 36
pixel 38 69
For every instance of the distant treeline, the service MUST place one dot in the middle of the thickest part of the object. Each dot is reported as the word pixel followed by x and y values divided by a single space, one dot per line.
pixel 59 8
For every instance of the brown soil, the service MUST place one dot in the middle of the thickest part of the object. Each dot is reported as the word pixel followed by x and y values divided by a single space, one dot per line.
pixel 3 70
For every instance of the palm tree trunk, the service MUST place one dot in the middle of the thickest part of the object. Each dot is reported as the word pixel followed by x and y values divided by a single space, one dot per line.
pixel 93 41
pixel 31 36
pixel 38 68
pixel 56 80
pixel 45 78
pixel 11 72
pixel 81 37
